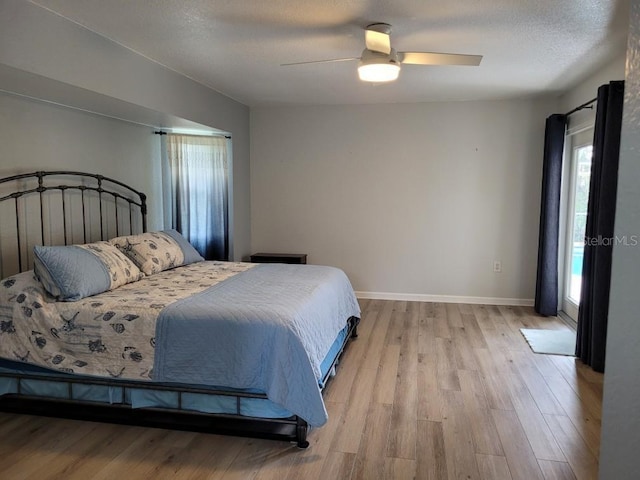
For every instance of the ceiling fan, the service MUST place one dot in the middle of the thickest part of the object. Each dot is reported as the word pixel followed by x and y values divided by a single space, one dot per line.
pixel 381 63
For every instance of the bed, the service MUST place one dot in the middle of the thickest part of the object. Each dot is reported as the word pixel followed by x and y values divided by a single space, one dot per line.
pixel 102 320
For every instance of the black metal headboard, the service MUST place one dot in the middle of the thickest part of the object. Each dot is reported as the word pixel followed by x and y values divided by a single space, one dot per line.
pixel 63 208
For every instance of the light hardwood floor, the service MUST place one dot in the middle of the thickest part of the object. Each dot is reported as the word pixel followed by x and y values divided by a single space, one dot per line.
pixel 427 391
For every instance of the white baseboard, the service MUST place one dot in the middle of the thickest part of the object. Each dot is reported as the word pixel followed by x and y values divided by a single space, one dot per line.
pixel 416 297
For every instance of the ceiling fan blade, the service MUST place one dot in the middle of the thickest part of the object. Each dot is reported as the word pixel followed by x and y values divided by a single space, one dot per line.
pixel 428 58
pixel 334 60
pixel 377 40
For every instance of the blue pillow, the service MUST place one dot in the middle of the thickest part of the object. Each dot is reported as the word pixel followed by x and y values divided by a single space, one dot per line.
pixel 73 272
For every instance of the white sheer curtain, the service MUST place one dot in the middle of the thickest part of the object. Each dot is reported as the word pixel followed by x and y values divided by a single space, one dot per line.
pixel 198 173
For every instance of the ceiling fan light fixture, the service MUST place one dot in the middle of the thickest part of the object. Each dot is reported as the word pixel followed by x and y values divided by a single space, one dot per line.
pixel 380 63
pixel 378 67
pixel 378 72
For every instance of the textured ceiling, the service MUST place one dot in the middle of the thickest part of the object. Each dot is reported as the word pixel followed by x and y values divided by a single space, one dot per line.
pixel 236 46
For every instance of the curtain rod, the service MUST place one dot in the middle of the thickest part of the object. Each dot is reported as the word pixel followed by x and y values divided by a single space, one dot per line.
pixel 164 133
pixel 581 107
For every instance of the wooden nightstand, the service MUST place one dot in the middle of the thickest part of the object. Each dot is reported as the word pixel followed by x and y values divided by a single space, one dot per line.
pixel 299 258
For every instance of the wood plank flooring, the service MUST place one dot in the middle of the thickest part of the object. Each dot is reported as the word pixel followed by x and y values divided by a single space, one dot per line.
pixel 427 391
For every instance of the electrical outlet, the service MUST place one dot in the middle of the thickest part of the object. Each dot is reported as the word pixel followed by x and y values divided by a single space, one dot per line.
pixel 497 266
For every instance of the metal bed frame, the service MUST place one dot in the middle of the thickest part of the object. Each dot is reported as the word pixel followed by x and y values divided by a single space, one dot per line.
pixel 106 191
pixel 116 196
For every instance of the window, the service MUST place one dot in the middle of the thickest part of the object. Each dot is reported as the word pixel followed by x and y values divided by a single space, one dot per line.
pixel 576 216
pixel 580 201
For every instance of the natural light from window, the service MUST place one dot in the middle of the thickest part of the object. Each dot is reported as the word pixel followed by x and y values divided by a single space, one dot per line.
pixel 580 201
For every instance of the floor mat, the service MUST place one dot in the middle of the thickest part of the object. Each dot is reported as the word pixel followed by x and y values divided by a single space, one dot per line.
pixel 554 342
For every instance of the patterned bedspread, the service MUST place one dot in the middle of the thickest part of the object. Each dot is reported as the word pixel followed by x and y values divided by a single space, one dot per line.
pixel 111 334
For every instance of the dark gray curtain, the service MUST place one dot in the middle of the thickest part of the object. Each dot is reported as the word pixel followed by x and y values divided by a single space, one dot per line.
pixel 546 302
pixel 599 236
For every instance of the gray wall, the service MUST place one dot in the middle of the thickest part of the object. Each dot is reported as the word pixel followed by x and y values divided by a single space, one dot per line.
pixel 413 201
pixel 620 440
pixel 39 136
pixel 38 42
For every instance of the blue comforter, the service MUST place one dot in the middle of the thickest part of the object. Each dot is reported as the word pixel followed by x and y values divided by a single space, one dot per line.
pixel 268 329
